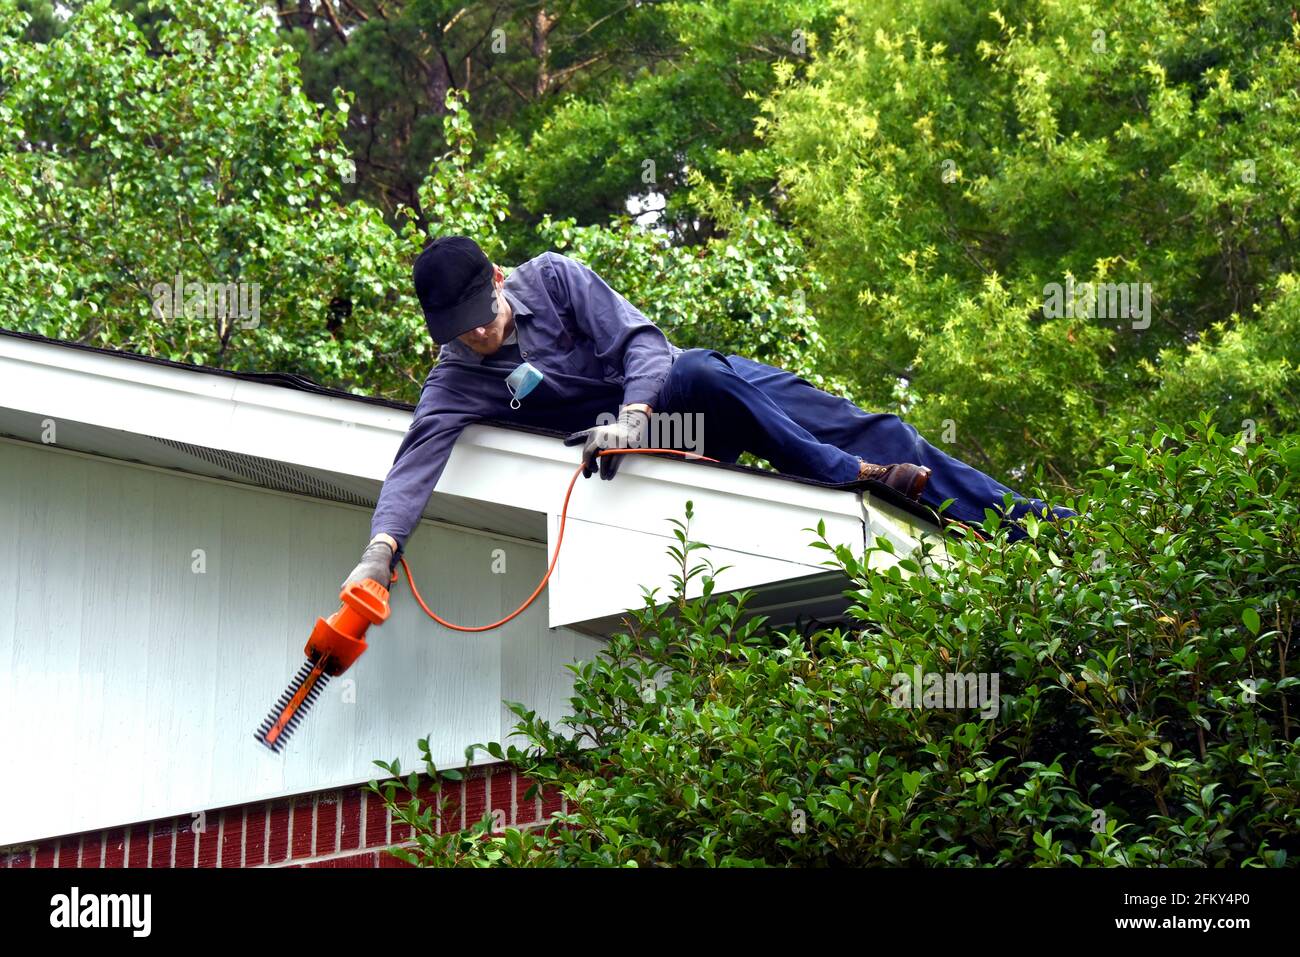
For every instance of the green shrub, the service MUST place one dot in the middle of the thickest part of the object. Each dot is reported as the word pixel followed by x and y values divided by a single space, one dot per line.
pixel 1145 710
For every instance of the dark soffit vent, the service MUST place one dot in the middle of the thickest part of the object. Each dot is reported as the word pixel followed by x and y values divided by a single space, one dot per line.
pixel 269 473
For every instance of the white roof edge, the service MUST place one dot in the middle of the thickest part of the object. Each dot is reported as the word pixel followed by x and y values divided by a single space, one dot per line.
pixel 299 428
pixel 220 412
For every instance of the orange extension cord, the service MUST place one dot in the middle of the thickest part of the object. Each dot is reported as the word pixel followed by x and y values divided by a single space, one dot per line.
pixel 559 540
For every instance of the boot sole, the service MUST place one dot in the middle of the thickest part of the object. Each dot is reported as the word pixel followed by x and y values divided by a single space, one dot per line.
pixel 919 483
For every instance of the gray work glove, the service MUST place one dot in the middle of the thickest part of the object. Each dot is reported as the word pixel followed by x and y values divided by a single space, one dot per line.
pixel 629 432
pixel 376 562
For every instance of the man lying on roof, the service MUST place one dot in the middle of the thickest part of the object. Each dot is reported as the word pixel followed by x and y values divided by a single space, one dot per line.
pixel 554 346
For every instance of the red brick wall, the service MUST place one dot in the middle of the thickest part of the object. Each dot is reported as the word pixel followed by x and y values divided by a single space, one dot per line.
pixel 347 827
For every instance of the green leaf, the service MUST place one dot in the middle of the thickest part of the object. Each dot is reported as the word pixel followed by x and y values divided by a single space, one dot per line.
pixel 1250 617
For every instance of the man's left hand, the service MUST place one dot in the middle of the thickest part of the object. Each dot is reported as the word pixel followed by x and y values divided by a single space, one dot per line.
pixel 629 432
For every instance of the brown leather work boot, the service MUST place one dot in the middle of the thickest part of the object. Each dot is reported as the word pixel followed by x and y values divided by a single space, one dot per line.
pixel 901 476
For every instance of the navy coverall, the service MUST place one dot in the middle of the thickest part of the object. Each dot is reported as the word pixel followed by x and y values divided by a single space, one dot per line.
pixel 597 351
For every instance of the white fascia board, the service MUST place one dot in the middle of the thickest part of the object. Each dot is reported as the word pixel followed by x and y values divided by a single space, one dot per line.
pixel 604 569
pixel 219 412
pixel 617 532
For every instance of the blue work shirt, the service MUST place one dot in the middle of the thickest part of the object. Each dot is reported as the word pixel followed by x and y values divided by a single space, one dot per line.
pixel 594 348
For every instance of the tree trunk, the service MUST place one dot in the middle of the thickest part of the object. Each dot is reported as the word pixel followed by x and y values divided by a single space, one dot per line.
pixel 440 81
pixel 543 23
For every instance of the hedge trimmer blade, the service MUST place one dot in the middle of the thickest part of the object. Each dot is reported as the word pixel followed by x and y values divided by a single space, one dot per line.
pixel 334 646
pixel 294 704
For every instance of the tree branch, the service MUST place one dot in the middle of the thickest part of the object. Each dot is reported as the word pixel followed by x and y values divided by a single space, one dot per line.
pixel 334 22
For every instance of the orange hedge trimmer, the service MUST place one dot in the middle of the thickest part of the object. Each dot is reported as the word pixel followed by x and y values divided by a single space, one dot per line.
pixel 337 642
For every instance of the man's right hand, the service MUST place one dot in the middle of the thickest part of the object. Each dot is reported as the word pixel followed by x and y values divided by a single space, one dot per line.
pixel 376 562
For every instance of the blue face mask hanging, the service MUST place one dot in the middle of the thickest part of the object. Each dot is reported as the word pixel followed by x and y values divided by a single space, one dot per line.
pixel 523 380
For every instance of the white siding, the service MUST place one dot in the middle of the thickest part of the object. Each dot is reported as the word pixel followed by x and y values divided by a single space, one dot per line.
pixel 130 686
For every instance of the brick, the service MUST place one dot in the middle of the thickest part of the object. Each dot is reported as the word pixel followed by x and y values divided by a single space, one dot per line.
pixel 232 837
pixel 277 848
pixel 427 798
pixel 255 836
pixel 92 848
pixel 209 853
pixel 160 846
pixel 115 848
pixel 357 860
pixel 449 814
pixel 475 800
pixel 551 800
pixel 138 848
pixel 21 858
pixel 70 851
pixel 376 821
pixel 186 842
pixel 397 830
pixel 337 829
pixel 425 792
pixel 526 810
pixel 350 822
pixel 300 840
pixel 501 795
pixel 327 824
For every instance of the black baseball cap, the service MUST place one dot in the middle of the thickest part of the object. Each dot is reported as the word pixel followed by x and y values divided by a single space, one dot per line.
pixel 453 281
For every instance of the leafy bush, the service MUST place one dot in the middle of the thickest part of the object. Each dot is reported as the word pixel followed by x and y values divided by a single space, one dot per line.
pixel 1145 706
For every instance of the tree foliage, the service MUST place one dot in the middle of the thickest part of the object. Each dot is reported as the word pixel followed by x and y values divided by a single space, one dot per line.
pixel 877 197
pixel 516 60
pixel 744 292
pixel 128 162
pixel 946 162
